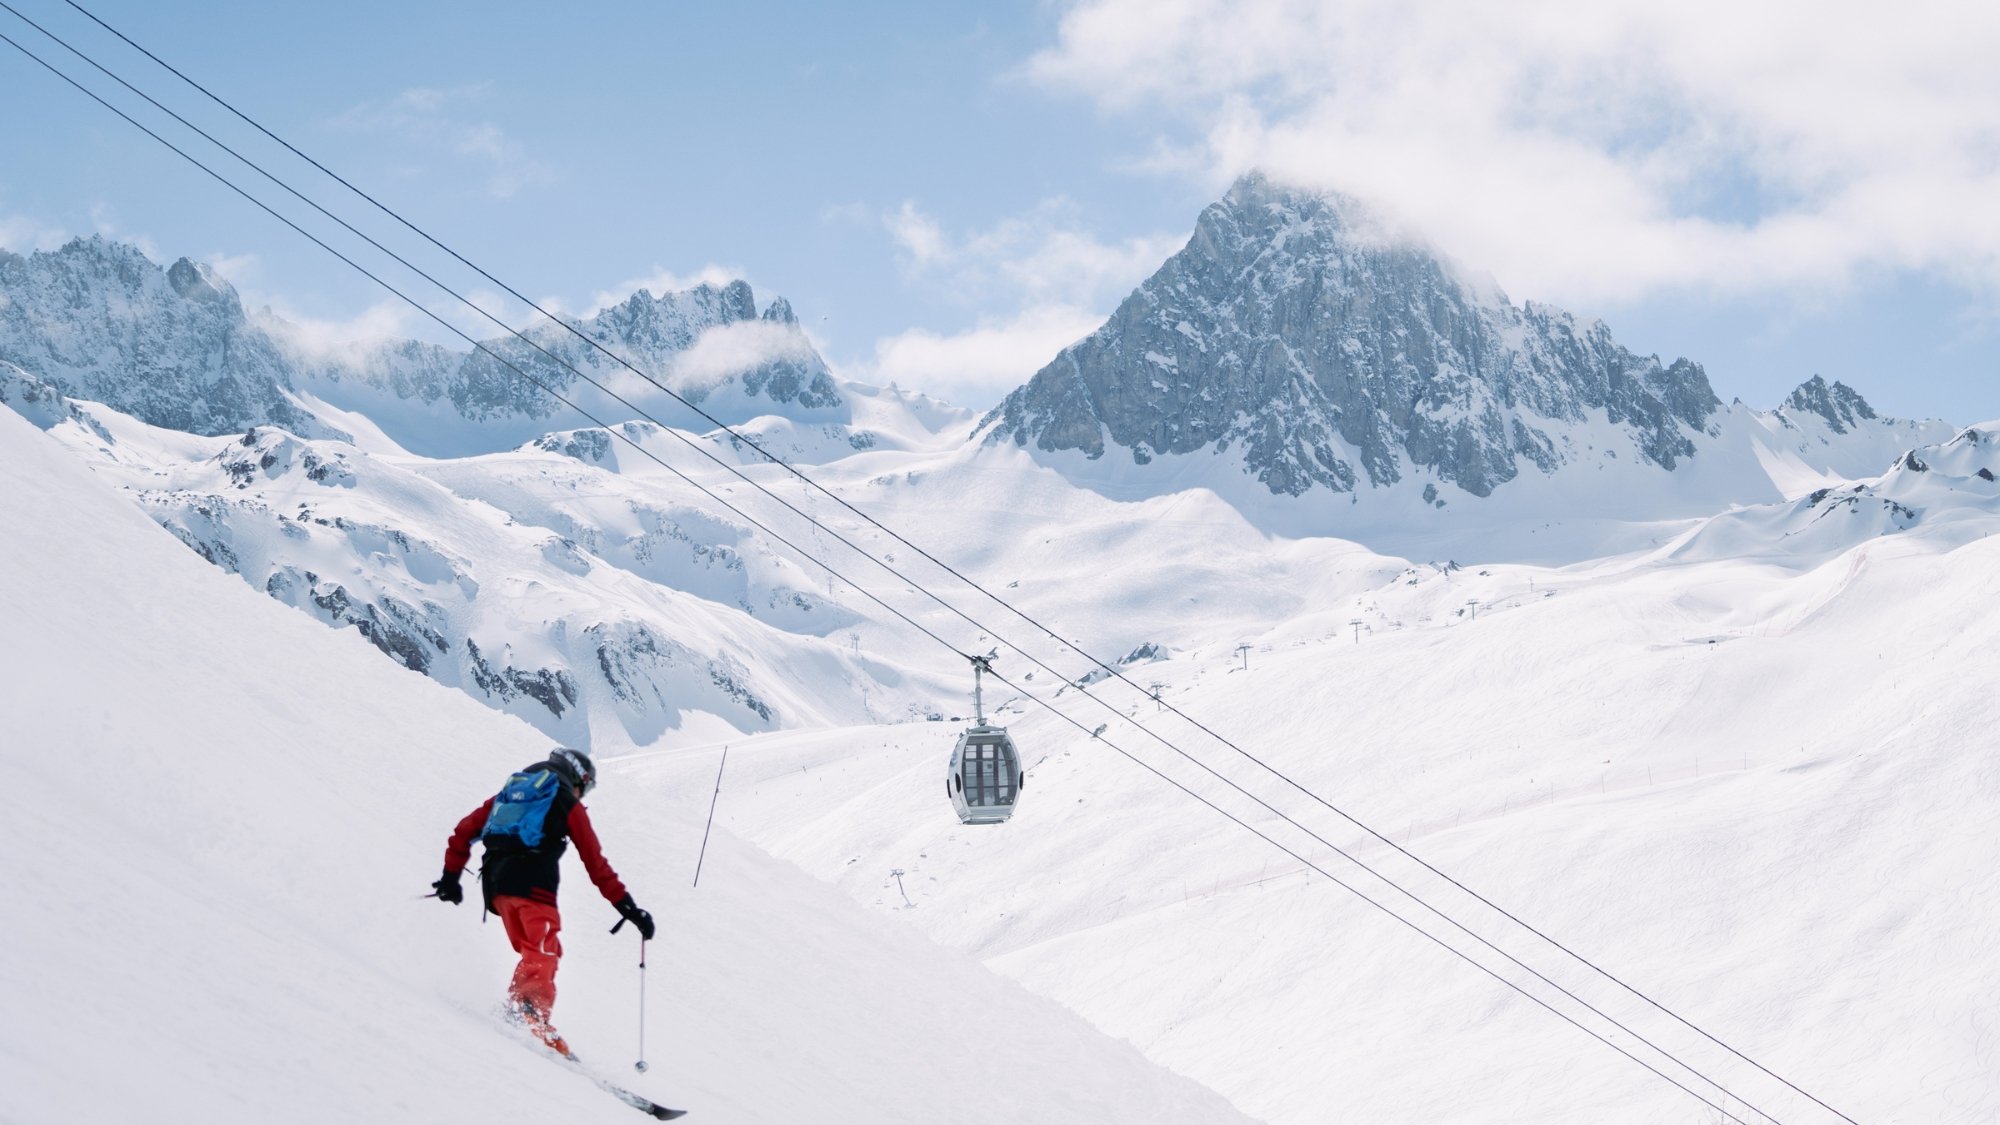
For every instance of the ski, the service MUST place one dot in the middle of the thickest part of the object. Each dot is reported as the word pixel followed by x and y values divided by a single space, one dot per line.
pixel 642 1104
pixel 639 1102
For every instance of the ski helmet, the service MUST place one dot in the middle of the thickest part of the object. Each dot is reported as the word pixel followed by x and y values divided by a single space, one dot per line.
pixel 577 766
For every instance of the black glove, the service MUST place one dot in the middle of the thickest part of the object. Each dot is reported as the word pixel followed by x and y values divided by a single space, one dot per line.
pixel 630 912
pixel 447 889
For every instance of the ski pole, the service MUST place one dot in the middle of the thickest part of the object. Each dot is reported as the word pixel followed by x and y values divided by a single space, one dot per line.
pixel 640 1066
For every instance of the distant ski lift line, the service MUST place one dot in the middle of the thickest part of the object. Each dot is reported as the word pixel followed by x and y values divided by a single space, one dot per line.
pixel 817 561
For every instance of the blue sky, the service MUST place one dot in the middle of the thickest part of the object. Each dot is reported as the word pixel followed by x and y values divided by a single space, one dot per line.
pixel 948 193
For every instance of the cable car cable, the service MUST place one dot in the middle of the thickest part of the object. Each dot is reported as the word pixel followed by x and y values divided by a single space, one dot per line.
pixel 557 395
pixel 586 414
pixel 733 507
pixel 776 460
pixel 1363 896
pixel 705 491
pixel 371 276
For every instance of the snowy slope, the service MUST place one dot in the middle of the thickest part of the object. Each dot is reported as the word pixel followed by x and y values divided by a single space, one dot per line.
pixel 548 582
pixel 1951 489
pixel 1756 782
pixel 222 815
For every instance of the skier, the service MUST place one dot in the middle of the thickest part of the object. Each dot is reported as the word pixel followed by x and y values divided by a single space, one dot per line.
pixel 525 828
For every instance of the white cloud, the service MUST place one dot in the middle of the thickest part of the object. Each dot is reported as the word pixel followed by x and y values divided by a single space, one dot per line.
pixel 324 340
pixel 918 235
pixel 659 281
pixel 1057 278
pixel 730 349
pixel 438 119
pixel 105 222
pixel 24 235
pixel 976 367
pixel 236 269
pixel 1044 256
pixel 1589 152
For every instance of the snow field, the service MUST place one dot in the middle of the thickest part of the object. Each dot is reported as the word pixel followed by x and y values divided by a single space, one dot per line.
pixel 1713 765
pixel 1807 874
pixel 224 816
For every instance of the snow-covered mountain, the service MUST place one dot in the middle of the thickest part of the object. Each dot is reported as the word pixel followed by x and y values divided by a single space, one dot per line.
pixel 534 580
pixel 1829 431
pixel 579 579
pixel 175 347
pixel 710 345
pixel 99 320
pixel 1951 488
pixel 1301 342
pixel 1748 772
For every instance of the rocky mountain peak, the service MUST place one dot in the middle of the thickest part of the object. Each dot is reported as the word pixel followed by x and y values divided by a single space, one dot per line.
pixel 196 282
pixel 707 343
pixel 1299 331
pixel 737 302
pixel 99 320
pixel 779 311
pixel 1840 405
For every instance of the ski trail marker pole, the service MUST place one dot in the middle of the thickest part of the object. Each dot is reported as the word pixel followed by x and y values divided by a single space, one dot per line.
pixel 711 815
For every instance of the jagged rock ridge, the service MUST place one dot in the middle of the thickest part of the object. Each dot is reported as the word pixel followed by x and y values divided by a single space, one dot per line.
pixel 1840 405
pixel 98 320
pixel 174 347
pixel 661 336
pixel 1336 357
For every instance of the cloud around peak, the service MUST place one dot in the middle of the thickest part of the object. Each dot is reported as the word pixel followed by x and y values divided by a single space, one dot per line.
pixel 1033 283
pixel 1601 153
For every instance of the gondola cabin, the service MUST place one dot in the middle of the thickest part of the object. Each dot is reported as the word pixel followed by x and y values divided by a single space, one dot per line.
pixel 985 776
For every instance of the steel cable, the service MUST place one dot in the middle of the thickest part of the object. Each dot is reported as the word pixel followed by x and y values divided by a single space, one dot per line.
pixel 817 561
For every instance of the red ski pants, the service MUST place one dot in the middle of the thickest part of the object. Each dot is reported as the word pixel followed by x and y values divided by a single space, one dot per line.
pixel 532 928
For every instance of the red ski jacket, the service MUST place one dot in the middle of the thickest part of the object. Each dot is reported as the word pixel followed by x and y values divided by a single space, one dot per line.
pixel 534 874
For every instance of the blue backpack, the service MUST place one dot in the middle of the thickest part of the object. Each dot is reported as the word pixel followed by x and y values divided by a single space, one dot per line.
pixel 521 809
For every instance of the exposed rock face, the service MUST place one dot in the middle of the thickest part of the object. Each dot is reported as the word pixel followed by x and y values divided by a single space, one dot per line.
pixel 1339 358
pixel 41 403
pixel 267 506
pixel 695 341
pixel 1833 430
pixel 98 320
pixel 1840 405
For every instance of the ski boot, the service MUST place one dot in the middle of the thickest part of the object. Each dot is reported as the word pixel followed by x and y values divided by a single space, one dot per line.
pixel 528 1015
